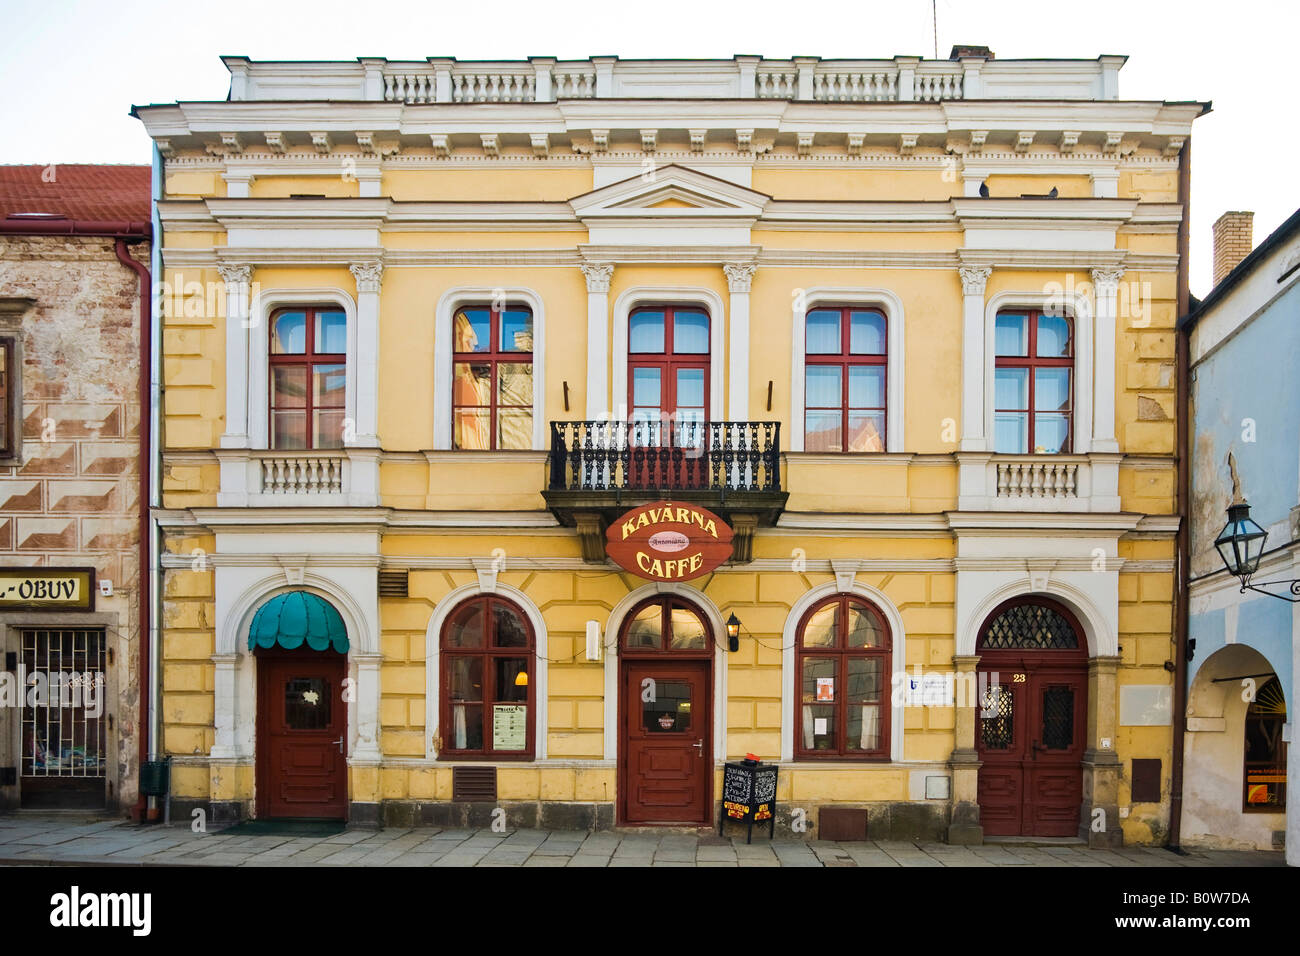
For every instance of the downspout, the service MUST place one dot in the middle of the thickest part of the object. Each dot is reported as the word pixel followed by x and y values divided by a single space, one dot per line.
pixel 146 494
pixel 155 465
pixel 1183 501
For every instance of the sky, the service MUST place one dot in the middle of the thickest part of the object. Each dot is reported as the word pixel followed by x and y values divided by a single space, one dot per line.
pixel 71 70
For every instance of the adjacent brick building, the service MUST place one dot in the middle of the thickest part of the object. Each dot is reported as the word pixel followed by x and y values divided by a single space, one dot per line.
pixel 74 257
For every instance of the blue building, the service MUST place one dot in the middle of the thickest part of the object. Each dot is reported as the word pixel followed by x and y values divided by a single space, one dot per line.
pixel 1244 358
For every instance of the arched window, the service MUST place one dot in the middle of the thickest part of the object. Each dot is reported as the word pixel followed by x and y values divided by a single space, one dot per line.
pixel 1033 383
pixel 492 378
pixel 1265 751
pixel 487 671
pixel 666 625
pixel 842 661
pixel 308 358
pixel 845 379
pixel 1034 624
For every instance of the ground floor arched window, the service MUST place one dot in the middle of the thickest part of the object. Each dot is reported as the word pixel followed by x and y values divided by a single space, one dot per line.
pixel 1264 774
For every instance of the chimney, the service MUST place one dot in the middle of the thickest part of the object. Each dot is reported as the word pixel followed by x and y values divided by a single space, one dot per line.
pixel 1232 241
pixel 963 49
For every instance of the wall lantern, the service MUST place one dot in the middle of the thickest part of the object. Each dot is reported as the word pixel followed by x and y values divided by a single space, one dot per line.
pixel 733 633
pixel 1241 544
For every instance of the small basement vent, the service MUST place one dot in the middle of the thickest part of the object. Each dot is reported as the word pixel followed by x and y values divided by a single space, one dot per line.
pixel 1146 781
pixel 393 583
pixel 474 784
pixel 842 824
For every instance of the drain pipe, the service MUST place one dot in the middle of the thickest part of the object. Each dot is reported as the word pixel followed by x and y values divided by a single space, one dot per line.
pixel 1183 500
pixel 155 472
pixel 145 614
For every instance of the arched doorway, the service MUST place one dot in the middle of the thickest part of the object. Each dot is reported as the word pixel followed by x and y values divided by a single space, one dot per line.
pixel 665 718
pixel 301 645
pixel 1033 689
pixel 1235 758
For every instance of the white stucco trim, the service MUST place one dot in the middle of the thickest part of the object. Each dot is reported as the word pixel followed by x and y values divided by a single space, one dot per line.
pixel 454 299
pixel 610 655
pixel 898 663
pixel 1098 629
pixel 637 296
pixel 433 646
pixel 235 682
pixel 264 303
pixel 892 306
pixel 1079 307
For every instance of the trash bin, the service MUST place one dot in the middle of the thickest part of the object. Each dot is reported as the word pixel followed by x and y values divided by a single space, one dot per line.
pixel 155 777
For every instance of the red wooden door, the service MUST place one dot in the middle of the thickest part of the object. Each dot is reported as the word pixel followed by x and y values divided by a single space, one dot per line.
pixel 1054 773
pixel 668 398
pixel 1030 731
pixel 666 745
pixel 301 737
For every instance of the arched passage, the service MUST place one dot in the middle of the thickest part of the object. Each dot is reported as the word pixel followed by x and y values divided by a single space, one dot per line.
pixel 1235 770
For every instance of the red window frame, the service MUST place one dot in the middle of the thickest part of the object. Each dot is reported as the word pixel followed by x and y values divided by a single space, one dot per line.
pixel 1032 361
pixel 841 653
pixel 666 604
pixel 493 357
pixel 488 653
pixel 844 360
pixel 308 359
pixel 669 361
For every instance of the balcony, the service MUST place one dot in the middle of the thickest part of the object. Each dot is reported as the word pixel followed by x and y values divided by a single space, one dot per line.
pixel 347 477
pixel 1053 483
pixel 599 469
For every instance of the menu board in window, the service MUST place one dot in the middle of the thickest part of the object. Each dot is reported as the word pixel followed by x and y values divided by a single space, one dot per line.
pixel 509 726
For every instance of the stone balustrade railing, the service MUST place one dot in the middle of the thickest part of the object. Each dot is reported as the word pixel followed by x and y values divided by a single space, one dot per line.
pixel 1037 478
pixel 307 473
pixel 543 79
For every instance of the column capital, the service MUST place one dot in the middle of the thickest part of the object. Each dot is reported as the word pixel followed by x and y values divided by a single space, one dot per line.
pixel 974 278
pixel 1106 281
pixel 368 275
pixel 598 276
pixel 232 274
pixel 739 275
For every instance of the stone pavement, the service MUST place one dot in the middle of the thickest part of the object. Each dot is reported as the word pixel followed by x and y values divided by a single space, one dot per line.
pixel 50 840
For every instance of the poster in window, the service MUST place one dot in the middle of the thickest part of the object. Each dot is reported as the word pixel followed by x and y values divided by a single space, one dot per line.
pixel 509 726
pixel 826 688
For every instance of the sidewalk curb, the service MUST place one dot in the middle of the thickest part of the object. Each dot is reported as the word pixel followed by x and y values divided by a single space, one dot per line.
pixel 85 861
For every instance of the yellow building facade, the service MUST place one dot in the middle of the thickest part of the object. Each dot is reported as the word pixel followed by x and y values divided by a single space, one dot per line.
pixel 904 327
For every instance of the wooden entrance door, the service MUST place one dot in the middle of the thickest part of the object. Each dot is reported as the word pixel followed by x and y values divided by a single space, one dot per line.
pixel 1031 745
pixel 667 742
pixel 665 745
pixel 302 734
pixel 1031 722
pixel 668 397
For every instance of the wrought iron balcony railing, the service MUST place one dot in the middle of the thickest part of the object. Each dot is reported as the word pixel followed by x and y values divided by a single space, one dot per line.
pixel 666 455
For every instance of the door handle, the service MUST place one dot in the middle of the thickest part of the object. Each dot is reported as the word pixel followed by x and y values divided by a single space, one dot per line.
pixel 1036 748
pixel 699 746
pixel 339 743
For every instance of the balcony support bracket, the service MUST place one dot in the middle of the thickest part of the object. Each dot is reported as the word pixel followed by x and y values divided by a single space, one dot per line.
pixel 591 535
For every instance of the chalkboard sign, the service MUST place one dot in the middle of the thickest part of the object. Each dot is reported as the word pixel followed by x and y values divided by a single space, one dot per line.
pixel 749 796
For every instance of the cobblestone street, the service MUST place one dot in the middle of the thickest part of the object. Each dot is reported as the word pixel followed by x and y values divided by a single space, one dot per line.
pixel 34 841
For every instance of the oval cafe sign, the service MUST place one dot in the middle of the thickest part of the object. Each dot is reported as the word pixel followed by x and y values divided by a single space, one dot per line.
pixel 664 541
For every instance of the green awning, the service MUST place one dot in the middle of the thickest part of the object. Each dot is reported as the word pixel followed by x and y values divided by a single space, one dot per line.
pixel 289 619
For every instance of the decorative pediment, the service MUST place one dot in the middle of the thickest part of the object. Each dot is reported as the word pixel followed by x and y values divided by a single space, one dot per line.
pixel 670 204
pixel 672 190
